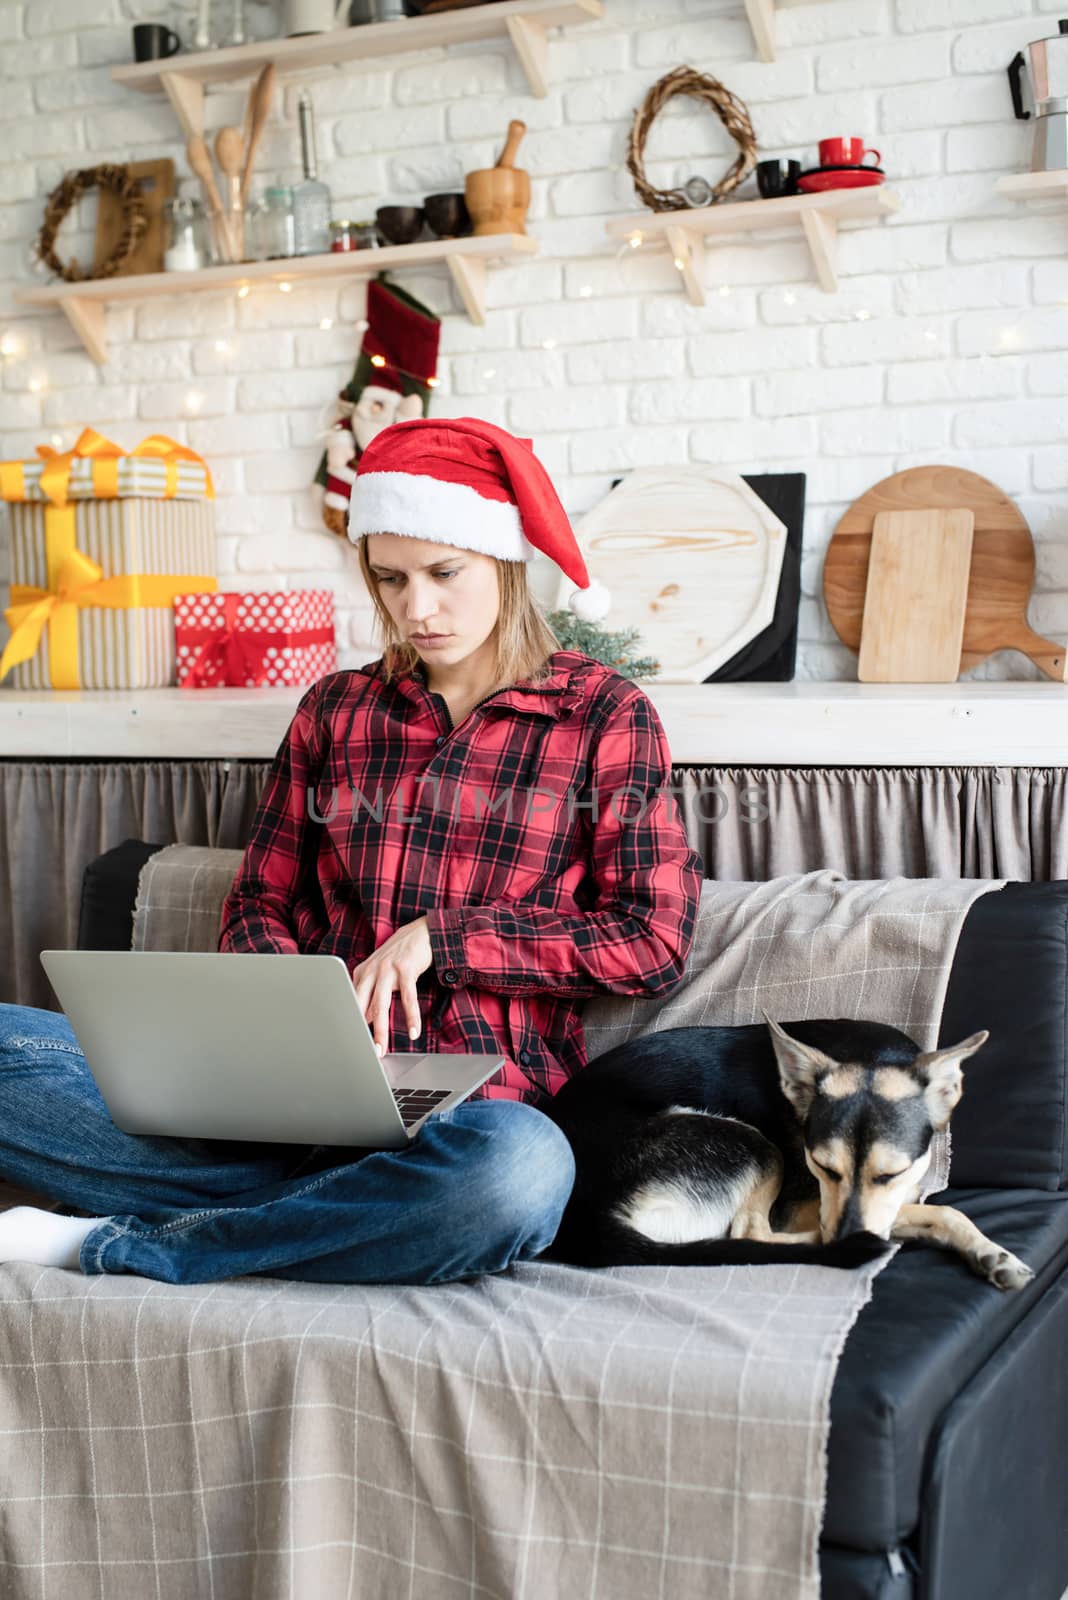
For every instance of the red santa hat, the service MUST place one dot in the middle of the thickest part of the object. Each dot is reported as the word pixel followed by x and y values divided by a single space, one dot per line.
pixel 464 482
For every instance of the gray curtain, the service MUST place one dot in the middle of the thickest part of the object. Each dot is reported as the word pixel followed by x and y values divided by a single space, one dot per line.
pixel 755 823
pixel 749 823
pixel 56 817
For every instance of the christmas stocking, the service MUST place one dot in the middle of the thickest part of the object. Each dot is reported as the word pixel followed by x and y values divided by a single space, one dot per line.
pixel 394 375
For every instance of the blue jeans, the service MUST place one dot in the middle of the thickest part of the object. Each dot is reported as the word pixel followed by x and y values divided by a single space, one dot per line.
pixel 479 1187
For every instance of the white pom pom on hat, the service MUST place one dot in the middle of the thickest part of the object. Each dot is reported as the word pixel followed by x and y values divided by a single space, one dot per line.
pixel 591 604
pixel 467 483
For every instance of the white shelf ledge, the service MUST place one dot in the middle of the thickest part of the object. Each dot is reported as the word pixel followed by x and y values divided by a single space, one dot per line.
pixel 1034 185
pixel 467 260
pixel 524 22
pixel 817 215
pixel 753 724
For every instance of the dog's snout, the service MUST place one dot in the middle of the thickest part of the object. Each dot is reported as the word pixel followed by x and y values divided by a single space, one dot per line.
pixel 851 1218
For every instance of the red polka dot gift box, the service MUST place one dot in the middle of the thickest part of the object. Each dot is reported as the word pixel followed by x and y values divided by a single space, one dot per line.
pixel 245 641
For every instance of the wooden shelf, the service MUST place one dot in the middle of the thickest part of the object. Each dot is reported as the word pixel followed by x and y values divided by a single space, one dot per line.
pixel 817 215
pixel 1034 185
pixel 725 724
pixel 524 22
pixel 467 259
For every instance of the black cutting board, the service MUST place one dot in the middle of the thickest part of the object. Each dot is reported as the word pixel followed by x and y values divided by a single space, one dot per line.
pixel 771 657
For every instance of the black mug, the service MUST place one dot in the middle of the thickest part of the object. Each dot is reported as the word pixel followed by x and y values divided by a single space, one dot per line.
pixel 152 42
pixel 777 177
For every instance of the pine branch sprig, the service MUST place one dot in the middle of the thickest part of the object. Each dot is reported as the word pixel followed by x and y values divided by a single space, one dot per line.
pixel 613 649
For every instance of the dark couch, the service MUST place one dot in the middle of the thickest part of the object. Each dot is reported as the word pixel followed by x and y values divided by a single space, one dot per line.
pixel 948 1461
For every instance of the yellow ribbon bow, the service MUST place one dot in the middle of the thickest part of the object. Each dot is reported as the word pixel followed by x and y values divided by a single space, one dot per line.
pixel 78 575
pixel 158 444
pixel 105 456
pixel 55 474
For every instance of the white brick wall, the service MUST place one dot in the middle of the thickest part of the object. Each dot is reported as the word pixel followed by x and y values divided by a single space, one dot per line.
pixel 947 341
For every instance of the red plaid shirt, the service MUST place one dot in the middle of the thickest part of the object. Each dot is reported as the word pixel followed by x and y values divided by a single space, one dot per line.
pixel 538 838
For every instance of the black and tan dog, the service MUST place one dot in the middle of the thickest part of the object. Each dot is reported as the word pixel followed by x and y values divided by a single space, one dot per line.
pixel 803 1142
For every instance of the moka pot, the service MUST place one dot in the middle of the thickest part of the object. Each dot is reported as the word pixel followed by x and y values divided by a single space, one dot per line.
pixel 1046 67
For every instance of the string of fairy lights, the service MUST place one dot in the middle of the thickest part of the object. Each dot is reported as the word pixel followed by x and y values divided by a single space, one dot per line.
pixel 14 349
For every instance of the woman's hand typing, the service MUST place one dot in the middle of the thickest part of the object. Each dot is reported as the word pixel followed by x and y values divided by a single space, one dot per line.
pixel 393 968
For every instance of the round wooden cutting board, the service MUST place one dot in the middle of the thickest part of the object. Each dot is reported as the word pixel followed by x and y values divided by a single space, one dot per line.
pixel 692 558
pixel 1002 566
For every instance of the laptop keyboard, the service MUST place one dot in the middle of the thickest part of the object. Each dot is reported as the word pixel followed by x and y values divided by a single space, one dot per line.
pixel 415 1103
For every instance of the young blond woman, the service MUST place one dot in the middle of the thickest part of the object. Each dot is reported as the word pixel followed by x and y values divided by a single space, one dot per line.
pixel 478 822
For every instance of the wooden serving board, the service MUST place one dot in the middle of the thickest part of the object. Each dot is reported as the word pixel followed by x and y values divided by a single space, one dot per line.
pixel 156 181
pixel 1002 567
pixel 915 597
pixel 692 559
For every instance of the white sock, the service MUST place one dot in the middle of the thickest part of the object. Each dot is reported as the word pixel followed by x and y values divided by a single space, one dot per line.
pixel 44 1237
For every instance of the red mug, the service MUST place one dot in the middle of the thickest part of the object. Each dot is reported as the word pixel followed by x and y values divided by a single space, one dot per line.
pixel 845 153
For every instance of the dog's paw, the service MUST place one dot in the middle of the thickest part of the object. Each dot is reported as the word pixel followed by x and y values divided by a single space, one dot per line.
pixel 1003 1269
pixel 751 1225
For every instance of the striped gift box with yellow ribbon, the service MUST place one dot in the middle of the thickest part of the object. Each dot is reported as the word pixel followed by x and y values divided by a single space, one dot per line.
pixel 94 581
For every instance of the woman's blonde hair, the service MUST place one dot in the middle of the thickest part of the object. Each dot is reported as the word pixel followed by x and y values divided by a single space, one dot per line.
pixel 524 639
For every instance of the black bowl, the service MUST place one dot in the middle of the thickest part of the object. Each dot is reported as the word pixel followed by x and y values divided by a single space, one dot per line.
pixel 399 224
pixel 447 215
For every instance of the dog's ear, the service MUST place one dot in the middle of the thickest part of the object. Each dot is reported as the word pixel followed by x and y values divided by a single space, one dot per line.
pixel 800 1066
pixel 945 1082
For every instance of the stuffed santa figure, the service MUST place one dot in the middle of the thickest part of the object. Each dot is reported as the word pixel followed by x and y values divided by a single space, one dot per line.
pixel 392 382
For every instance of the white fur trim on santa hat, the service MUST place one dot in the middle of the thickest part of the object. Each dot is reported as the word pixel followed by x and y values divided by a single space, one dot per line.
pixel 422 507
pixel 592 604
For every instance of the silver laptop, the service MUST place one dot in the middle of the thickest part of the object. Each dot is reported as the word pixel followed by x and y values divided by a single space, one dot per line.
pixel 217 1045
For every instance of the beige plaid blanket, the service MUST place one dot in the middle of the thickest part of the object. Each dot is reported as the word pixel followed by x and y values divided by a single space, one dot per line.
pixel 549 1432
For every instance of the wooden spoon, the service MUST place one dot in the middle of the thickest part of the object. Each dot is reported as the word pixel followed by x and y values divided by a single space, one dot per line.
pixel 197 155
pixel 230 150
pixel 516 130
pixel 230 154
pixel 260 104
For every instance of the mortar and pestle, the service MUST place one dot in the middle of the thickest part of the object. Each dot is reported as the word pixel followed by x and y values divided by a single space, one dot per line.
pixel 498 197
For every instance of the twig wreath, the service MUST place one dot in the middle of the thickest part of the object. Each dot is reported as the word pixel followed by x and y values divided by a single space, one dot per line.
pixel 731 112
pixel 67 194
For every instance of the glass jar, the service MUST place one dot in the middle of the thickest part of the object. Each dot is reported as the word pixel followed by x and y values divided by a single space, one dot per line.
pixel 279 223
pixel 256 232
pixel 187 248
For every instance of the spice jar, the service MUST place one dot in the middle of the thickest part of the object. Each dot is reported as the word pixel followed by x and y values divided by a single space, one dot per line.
pixel 343 236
